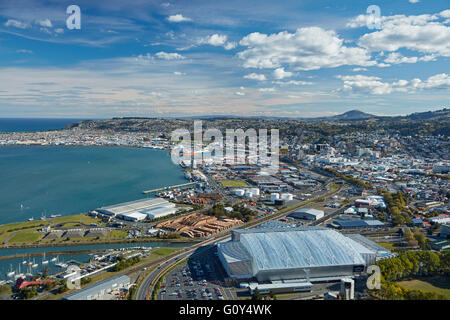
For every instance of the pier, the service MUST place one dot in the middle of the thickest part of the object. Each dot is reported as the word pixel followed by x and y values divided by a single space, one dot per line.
pixel 169 187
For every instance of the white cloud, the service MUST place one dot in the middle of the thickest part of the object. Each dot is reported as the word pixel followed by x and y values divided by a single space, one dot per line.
pixel 144 59
pixel 24 51
pixel 169 56
pixel 309 48
pixel 359 69
pixel 45 23
pixel 59 30
pixel 218 40
pixel 396 58
pixel 421 33
pixel 230 45
pixel 445 14
pixel 240 93
pixel 266 89
pixel 281 74
pixel 413 1
pixel 293 82
pixel 178 18
pixel 255 76
pixel 16 24
pixel 374 85
pixel 215 40
pixel 177 73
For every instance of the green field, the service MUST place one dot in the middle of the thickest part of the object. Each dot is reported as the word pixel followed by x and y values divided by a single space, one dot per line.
pixel 387 245
pixel 439 285
pixel 26 236
pixel 233 183
pixel 164 251
pixel 4 236
pixel 82 218
pixel 116 234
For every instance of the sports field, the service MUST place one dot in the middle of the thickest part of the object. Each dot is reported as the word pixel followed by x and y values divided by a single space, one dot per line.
pixel 440 285
pixel 233 183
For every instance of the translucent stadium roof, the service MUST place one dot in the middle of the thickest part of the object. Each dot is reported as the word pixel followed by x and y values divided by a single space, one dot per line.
pixel 300 248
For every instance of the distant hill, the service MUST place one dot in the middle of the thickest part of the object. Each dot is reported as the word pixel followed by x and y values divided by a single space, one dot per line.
pixel 443 114
pixel 353 115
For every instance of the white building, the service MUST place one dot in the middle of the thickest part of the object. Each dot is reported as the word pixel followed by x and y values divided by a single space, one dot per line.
pixel 307 213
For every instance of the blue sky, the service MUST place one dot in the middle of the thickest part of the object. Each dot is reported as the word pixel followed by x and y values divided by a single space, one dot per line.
pixel 254 57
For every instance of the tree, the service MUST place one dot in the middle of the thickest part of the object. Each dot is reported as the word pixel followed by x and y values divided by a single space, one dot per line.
pixel 5 290
pixel 256 295
pixel 63 287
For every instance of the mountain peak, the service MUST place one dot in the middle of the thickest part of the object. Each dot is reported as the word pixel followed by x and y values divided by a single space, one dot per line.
pixel 354 115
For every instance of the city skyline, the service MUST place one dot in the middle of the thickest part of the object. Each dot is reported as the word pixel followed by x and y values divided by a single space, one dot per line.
pixel 169 58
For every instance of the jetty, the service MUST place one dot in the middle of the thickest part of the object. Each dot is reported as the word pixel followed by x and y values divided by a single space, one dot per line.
pixel 169 187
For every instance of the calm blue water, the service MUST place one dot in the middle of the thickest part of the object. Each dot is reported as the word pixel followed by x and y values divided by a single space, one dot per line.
pixel 45 180
pixel 22 124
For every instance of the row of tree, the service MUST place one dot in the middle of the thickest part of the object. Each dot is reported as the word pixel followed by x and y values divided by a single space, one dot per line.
pixel 396 207
pixel 238 212
pixel 409 264
pixel 123 263
pixel 415 263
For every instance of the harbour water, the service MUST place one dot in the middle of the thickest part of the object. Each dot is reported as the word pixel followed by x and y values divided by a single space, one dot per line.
pixel 46 180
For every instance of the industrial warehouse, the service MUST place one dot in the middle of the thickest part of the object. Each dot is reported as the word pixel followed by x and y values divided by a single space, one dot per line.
pixel 297 254
pixel 107 289
pixel 307 214
pixel 140 209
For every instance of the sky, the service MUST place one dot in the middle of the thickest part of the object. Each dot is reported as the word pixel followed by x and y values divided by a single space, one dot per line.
pixel 165 58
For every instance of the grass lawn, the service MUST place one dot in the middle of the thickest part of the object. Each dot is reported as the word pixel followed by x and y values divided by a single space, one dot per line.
pixel 71 224
pixel 76 218
pixel 22 225
pixel 440 285
pixel 233 183
pixel 387 245
pixel 161 252
pixel 116 234
pixel 3 236
pixel 26 236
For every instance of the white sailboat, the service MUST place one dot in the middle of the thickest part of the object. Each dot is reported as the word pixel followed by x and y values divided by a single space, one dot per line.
pixel 34 265
pixel 11 273
pixel 44 261
pixel 61 264
pixel 54 259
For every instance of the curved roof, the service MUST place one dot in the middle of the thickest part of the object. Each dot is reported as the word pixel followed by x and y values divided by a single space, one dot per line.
pixel 298 248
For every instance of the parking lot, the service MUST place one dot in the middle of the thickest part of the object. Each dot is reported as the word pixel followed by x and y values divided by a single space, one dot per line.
pixel 200 278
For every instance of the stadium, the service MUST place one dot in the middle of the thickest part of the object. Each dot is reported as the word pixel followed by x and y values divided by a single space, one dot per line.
pixel 296 253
